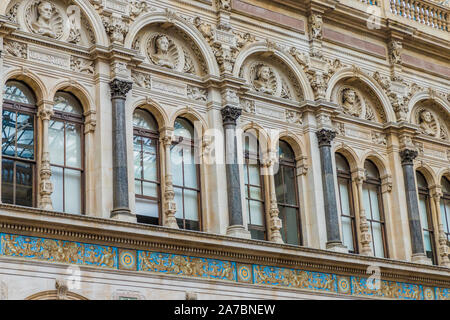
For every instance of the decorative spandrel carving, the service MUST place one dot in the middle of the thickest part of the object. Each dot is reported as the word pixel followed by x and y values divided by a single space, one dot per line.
pixel 141 79
pixel 248 106
pixel 196 93
pixel 12 13
pixel 294 117
pixel 81 65
pixel 16 49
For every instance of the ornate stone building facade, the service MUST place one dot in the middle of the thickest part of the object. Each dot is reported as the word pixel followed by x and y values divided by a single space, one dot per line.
pixel 225 149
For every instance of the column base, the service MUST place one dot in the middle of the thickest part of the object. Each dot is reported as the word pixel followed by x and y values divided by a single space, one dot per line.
pixel 421 258
pixel 123 214
pixel 336 247
pixel 238 231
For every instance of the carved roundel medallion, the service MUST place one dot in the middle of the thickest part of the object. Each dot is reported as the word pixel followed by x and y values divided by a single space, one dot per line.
pixel 44 18
pixel 164 52
pixel 265 79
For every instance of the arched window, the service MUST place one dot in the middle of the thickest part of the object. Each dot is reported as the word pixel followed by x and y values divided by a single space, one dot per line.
pixel 18 145
pixel 146 167
pixel 186 178
pixel 287 195
pixel 66 145
pixel 425 216
pixel 254 190
pixel 346 203
pixel 445 206
pixel 373 206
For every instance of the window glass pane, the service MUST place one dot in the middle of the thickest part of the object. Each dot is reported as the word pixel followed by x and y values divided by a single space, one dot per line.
pixel 150 189
pixel 257 234
pixel 421 181
pixel 427 241
pixel 423 211
pixel 143 119
pixel 291 223
pixel 58 191
pixel 24 184
pixel 25 136
pixel 147 207
pixel 176 158
pixel 255 193
pixel 254 174
pixel 371 169
pixel 137 157
pixel 341 163
pixel 149 160
pixel 345 201
pixel 190 168
pixel 366 201
pixel 72 191
pixel 65 102
pixel 137 187
pixel 374 202
pixel 191 205
pixel 18 92
pixel 445 186
pixel 289 180
pixel 377 239
pixel 7 181
pixel 179 202
pixel 256 213
pixel 73 145
pixel 9 133
pixel 279 186
pixel 56 142
pixel 245 174
pixel 347 233
pixel 285 151
pixel 183 128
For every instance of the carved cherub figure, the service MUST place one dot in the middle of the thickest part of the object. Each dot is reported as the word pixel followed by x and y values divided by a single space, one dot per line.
pixel 350 102
pixel 43 24
pixel 261 82
pixel 426 123
pixel 161 55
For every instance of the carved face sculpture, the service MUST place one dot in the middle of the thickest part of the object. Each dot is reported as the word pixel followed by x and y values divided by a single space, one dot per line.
pixel 162 44
pixel 45 11
pixel 426 116
pixel 349 96
pixel 263 73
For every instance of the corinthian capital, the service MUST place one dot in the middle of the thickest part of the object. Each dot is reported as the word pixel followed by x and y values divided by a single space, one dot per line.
pixel 120 88
pixel 407 156
pixel 325 137
pixel 230 115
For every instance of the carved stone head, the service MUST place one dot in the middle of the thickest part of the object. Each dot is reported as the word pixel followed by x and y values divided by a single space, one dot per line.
pixel 45 11
pixel 263 73
pixel 162 44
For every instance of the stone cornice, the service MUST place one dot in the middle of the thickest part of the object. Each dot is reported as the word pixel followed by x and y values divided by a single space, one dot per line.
pixel 36 222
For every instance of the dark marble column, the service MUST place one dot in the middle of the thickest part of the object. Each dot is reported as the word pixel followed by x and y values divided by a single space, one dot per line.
pixel 325 137
pixel 119 90
pixel 412 202
pixel 229 118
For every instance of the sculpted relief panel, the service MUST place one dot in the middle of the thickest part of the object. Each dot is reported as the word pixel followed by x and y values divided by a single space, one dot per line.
pixel 271 77
pixel 170 48
pixel 53 19
pixel 431 120
pixel 357 100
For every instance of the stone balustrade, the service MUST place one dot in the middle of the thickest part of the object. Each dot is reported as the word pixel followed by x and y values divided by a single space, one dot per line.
pixel 425 12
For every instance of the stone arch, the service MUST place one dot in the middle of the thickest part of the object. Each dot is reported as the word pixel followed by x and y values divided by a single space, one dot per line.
pixel 180 23
pixel 193 116
pixel 261 48
pixel 379 161
pixel 53 295
pixel 444 172
pixel 155 109
pixel 294 141
pixel 425 95
pixel 89 11
pixel 348 73
pixel 78 91
pixel 350 155
pixel 32 80
pixel 263 137
pixel 428 173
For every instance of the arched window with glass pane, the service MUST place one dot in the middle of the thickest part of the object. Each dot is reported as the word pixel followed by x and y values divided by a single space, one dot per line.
pixel 425 216
pixel 18 145
pixel 186 178
pixel 146 167
pixel 287 195
pixel 346 203
pixel 445 206
pixel 373 206
pixel 66 145
pixel 254 190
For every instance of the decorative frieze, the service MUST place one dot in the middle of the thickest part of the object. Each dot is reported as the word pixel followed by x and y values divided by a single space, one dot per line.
pixel 379 138
pixel 294 117
pixel 168 86
pixel 16 49
pixel 43 55
pixel 141 80
pixel 82 65
pixel 197 93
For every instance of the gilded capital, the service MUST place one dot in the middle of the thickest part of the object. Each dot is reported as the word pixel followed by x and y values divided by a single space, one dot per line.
pixel 120 88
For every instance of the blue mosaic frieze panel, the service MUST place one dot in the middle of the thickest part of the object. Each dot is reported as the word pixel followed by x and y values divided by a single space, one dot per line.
pixel 443 293
pixel 386 289
pixel 58 251
pixel 187 266
pixel 301 279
